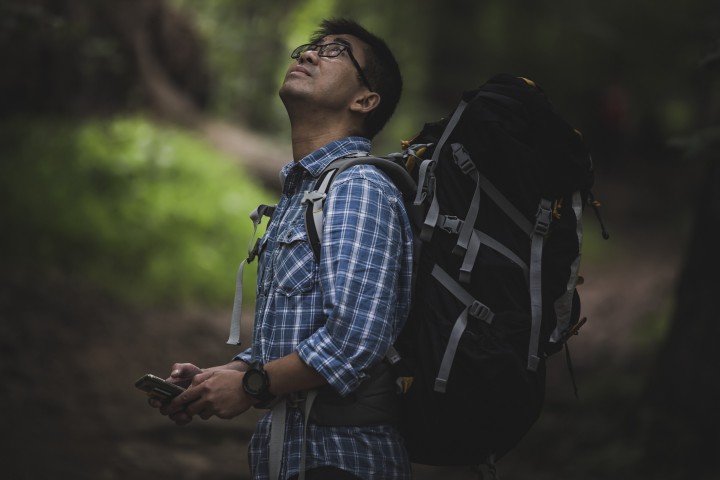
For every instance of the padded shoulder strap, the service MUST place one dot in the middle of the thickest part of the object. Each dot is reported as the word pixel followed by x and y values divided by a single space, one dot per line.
pixel 315 199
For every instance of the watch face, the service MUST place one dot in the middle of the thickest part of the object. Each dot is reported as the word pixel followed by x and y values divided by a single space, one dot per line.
pixel 254 381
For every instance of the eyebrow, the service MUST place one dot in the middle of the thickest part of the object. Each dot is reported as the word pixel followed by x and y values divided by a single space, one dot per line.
pixel 341 41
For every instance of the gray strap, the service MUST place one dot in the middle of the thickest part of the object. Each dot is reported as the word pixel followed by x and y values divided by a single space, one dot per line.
pixel 426 168
pixel 236 318
pixel 542 225
pixel 473 308
pixel 431 220
pixel 317 198
pixel 452 123
pixel 450 350
pixel 490 242
pixel 309 400
pixel 463 160
pixel 426 186
pixel 453 225
pixel 471 254
pixel 563 305
pixel 434 210
pixel 505 205
pixel 277 438
pixel 277 433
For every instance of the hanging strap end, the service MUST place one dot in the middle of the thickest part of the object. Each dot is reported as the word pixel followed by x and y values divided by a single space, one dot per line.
pixel 533 362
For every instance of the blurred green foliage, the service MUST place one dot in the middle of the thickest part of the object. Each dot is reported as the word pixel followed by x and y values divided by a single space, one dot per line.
pixel 119 200
pixel 622 72
pixel 151 213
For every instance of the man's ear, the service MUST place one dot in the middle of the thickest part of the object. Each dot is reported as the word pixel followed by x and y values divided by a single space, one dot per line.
pixel 366 102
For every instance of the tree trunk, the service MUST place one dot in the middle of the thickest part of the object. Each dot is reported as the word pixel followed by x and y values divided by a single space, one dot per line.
pixel 684 395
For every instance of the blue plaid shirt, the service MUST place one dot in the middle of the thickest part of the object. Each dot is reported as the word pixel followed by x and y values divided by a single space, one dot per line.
pixel 340 314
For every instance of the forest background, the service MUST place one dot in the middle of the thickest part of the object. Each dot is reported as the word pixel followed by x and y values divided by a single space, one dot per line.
pixel 136 136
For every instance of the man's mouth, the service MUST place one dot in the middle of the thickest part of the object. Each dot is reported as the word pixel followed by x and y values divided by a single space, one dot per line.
pixel 299 70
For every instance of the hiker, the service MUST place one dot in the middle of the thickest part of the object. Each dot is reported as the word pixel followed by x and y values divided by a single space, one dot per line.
pixel 323 325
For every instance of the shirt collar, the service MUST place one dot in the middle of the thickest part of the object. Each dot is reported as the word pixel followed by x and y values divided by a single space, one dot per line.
pixel 316 162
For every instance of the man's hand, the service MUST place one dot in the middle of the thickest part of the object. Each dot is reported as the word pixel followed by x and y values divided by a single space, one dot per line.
pixel 216 392
pixel 183 373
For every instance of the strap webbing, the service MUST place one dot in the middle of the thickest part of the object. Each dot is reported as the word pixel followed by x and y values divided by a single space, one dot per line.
pixel 505 205
pixel 277 438
pixel 452 123
pixel 473 308
pixel 542 224
pixel 434 210
pixel 277 433
pixel 236 318
pixel 563 305
pixel 453 225
pixel 471 254
pixel 314 212
pixel 463 160
pixel 423 184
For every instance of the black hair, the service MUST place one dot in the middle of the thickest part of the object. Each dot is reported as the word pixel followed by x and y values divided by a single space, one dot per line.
pixel 381 69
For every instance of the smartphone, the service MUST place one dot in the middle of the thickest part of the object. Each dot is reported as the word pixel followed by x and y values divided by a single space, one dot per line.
pixel 158 388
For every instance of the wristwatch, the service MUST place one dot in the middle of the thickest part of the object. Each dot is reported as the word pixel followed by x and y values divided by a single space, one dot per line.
pixel 256 383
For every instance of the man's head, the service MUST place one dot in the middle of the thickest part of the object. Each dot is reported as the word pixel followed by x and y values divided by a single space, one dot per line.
pixel 374 66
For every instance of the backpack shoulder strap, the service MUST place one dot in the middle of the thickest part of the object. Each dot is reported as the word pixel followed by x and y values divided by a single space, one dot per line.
pixel 315 199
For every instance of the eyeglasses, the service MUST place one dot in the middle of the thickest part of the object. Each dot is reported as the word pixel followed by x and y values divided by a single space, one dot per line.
pixel 331 50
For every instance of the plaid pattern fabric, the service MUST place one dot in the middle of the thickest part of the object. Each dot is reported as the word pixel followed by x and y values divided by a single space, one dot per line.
pixel 340 315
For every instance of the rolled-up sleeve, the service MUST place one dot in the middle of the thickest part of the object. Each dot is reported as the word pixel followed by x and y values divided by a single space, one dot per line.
pixel 361 260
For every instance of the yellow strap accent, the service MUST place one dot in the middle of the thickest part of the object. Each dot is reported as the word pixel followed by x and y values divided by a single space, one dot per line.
pixel 528 81
pixel 556 209
pixel 406 383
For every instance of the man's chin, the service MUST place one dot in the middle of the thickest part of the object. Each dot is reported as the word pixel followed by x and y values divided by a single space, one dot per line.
pixel 291 90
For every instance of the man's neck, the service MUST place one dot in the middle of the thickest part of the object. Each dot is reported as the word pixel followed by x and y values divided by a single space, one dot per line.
pixel 308 136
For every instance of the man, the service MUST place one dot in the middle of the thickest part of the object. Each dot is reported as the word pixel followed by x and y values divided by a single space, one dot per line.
pixel 324 324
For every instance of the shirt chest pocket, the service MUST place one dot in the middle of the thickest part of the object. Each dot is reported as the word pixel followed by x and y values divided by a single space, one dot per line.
pixel 295 269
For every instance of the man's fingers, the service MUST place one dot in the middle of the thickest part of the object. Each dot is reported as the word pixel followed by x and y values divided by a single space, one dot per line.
pixel 205 414
pixel 181 418
pixel 201 377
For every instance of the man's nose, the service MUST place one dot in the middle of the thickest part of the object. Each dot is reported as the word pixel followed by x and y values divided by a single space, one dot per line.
pixel 310 56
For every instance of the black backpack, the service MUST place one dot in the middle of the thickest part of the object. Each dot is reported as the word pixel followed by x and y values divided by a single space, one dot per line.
pixel 496 194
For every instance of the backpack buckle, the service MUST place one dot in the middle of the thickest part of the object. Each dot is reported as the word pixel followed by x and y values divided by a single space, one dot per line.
pixel 312 197
pixel 462 158
pixel 543 218
pixel 481 312
pixel 450 224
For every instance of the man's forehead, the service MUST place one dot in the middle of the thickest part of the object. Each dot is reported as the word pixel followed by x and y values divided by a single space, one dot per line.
pixel 344 39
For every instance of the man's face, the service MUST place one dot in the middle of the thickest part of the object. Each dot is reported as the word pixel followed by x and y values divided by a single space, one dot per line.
pixel 327 81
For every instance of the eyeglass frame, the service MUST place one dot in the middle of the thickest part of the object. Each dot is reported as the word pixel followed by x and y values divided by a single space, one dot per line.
pixel 320 49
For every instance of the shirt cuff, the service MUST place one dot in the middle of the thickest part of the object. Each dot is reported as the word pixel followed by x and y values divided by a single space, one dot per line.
pixel 320 353
pixel 245 356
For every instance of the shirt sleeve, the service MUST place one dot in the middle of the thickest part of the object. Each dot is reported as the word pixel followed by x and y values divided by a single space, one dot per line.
pixel 360 266
pixel 245 356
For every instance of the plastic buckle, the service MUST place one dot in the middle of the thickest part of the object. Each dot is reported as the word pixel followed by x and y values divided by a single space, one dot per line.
pixel 312 196
pixel 480 311
pixel 543 218
pixel 450 224
pixel 462 158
